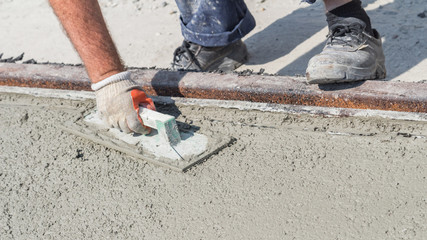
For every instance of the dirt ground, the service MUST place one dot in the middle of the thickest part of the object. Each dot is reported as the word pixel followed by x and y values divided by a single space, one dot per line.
pixel 287 35
pixel 286 177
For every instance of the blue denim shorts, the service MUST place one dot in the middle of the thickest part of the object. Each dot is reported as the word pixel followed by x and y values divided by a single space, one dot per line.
pixel 214 23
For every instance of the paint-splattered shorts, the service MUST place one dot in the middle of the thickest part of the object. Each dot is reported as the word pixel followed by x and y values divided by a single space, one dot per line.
pixel 213 23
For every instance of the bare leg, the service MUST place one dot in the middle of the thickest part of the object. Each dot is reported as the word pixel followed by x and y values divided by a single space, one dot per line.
pixel 85 26
pixel 332 4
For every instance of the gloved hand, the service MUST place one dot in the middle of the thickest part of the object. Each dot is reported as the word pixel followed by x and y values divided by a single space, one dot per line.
pixel 118 99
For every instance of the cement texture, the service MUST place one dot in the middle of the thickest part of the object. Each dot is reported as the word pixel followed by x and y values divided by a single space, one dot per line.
pixel 285 177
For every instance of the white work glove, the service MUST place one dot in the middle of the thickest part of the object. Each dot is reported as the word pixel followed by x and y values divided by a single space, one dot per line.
pixel 118 99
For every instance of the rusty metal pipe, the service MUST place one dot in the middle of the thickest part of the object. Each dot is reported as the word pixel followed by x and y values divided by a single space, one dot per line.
pixel 379 95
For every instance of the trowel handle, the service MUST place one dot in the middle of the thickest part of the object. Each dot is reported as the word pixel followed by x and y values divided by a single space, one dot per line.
pixel 163 123
pixel 150 117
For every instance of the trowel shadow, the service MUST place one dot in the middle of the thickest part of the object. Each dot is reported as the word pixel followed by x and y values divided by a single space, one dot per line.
pixel 184 134
pixel 166 85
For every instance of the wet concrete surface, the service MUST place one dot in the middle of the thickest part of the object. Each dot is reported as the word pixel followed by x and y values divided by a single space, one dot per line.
pixel 286 177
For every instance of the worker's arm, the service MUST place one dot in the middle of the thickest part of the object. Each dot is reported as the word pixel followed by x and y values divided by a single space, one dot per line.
pixel 118 97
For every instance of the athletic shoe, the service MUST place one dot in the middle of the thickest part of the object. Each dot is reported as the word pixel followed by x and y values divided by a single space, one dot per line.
pixel 351 54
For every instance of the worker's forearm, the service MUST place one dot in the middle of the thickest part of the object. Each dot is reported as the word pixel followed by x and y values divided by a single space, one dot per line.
pixel 85 26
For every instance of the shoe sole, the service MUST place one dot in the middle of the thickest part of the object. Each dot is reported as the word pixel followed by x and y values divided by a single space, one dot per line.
pixel 232 61
pixel 342 73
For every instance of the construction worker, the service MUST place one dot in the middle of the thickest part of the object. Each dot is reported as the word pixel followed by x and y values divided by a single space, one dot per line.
pixel 212 30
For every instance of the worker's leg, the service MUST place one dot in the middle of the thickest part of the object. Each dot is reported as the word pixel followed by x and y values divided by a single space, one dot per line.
pixel 214 23
pixel 212 30
pixel 353 49
pixel 332 4
pixel 118 98
pixel 337 10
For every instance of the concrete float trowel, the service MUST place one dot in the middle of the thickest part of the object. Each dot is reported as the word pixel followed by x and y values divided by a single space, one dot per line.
pixel 165 146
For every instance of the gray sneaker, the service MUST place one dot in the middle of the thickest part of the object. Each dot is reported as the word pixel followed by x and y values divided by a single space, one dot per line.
pixel 350 54
pixel 191 56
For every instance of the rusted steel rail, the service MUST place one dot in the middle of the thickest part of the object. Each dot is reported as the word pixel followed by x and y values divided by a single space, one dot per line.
pixel 380 95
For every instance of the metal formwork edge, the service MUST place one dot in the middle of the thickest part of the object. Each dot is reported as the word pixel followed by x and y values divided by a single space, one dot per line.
pixel 375 95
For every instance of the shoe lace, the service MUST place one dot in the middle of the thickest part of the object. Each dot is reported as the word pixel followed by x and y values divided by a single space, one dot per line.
pixel 346 34
pixel 184 51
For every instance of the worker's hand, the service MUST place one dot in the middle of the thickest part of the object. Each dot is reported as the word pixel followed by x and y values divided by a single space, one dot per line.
pixel 118 99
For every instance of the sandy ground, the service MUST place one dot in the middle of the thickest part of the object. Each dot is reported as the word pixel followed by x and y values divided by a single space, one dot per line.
pixel 287 35
pixel 286 177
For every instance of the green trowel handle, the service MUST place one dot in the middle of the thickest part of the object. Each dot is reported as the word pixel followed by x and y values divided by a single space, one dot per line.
pixel 163 123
